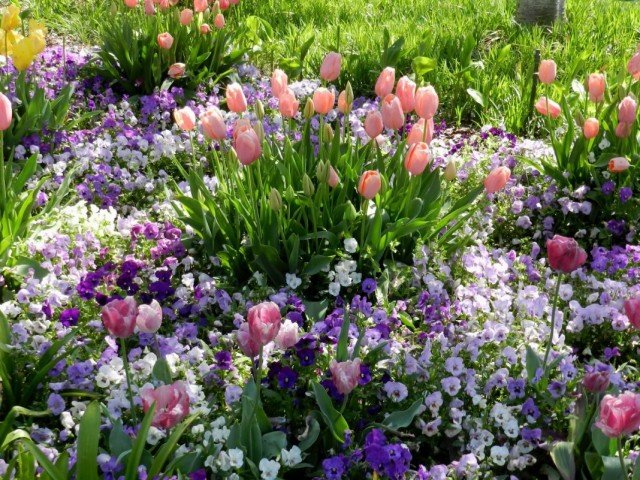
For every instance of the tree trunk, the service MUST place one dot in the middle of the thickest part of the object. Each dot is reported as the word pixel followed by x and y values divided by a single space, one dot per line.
pixel 540 12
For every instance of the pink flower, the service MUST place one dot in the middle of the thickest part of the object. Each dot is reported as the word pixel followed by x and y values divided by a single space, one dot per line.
pixel 333 179
pixel 219 21
pixel 406 92
pixel 171 404
pixel 264 322
pixel 205 28
pixel 185 118
pixel 330 68
pixel 618 165
pixel 632 309
pixel 131 3
pixel 213 125
pixel 392 114
pixel 177 70
pixel 596 381
pixel 288 335
pixel 627 110
pixel 633 67
pixel 547 71
pixel 323 100
pixel 288 104
pixel 247 344
pixel 373 124
pixel 417 158
pixel 369 184
pixel 623 130
pixel 186 16
pixel 345 375
pixel 591 128
pixel 6 113
pixel 427 102
pixel 200 5
pixel 236 100
pixel 417 132
pixel 119 317
pixel 497 179
pixel 165 40
pixel 619 415
pixel 565 254
pixel 149 7
pixel 343 107
pixel 149 317
pixel 386 81
pixel 241 125
pixel 545 106
pixel 247 146
pixel 279 81
pixel 597 85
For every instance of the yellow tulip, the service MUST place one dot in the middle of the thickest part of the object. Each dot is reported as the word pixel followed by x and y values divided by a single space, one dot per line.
pixel 23 54
pixel 11 18
pixel 36 26
pixel 37 41
pixel 7 41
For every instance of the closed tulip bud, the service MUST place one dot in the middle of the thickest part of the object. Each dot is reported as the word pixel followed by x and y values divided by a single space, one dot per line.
pixel 6 113
pixel 392 114
pixel 259 129
pixel 349 93
pixel 248 147
pixel 417 158
pixel 264 322
pixel 259 110
pixel 333 179
pixel 350 212
pixel 565 254
pixel 633 67
pixel 373 123
pixel 328 132
pixel 322 171
pixel 186 16
pixel 323 100
pixel 149 7
pixel 219 22
pixel 417 133
pixel 548 107
pixel 200 5
pixel 213 125
pixel 177 70
pixel 597 381
pixel 345 375
pixel 343 106
pixel 591 128
pixel 330 68
pixel 165 40
pixel 185 118
pixel 308 109
pixel 385 82
pixel 236 101
pixel 623 130
pixel 370 184
pixel 547 71
pixel 497 179
pixel 288 104
pixel 596 85
pixel 427 102
pixel 627 110
pixel 216 8
pixel 275 200
pixel 406 92
pixel 149 317
pixel 618 165
pixel 224 4
pixel 279 83
pixel 131 3
pixel 307 186
pixel 451 171
pixel 205 28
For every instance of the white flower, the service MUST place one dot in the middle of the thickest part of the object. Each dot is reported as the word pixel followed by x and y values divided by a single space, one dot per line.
pixel 291 457
pixel 236 457
pixel 67 420
pixel 350 245
pixel 499 454
pixel 154 436
pixel 334 288
pixel 224 462
pixel 293 281
pixel 268 469
pixel 604 143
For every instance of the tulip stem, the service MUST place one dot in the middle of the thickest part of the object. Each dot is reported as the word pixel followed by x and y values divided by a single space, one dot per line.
pixel 257 373
pixel 125 362
pixel 365 218
pixel 621 456
pixel 552 323
pixel 344 403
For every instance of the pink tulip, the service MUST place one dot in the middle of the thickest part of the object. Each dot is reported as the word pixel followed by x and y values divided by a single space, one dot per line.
pixel 632 309
pixel 236 100
pixel 633 67
pixel 333 179
pixel 288 104
pixel 596 381
pixel 370 184
pixel 623 130
pixel 200 5
pixel 205 28
pixel 565 255
pixel 131 3
pixel 427 102
pixel 417 158
pixel 497 179
pixel 119 317
pixel 224 4
pixel 177 70
pixel 219 22
pixel 186 16
pixel 185 118
pixel 627 110
pixel 264 322
pixel 323 100
pixel 171 404
pixel 345 375
pixel 149 7
pixel 591 128
pixel 248 147
pixel 618 165
pixel 6 113
pixel 619 415
pixel 392 114
pixel 417 132
pixel 330 68
pixel 597 86
pixel 164 4
pixel 373 123
pixel 213 125
pixel 165 40
pixel 248 346
pixel 385 82
pixel 288 335
pixel 149 317
pixel 547 71
pixel 343 106
pixel 406 92
pixel 241 126
pixel 545 106
pixel 278 83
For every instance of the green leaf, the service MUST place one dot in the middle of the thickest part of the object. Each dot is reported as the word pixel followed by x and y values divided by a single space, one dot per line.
pixel 310 435
pixel 168 447
pixel 612 469
pixel 273 443
pixel 342 352
pixel 562 455
pixel 88 440
pixel 423 65
pixel 604 445
pixel 133 460
pixel 161 371
pixel 119 441
pixel 403 418
pixel 333 418
pixel 477 96
pixel 315 311
pixel 533 362
pixel 43 461
pixel 316 264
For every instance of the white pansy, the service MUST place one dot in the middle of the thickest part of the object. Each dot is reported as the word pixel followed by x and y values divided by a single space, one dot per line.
pixel 291 457
pixel 268 469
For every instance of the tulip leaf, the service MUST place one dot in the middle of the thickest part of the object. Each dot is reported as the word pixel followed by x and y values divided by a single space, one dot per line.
pixel 273 443
pixel 403 418
pixel 133 460
pixel 88 440
pixel 168 447
pixel 533 362
pixel 562 455
pixel 310 435
pixel 423 65
pixel 161 371
pixel 477 96
pixel 612 469
pixel 333 418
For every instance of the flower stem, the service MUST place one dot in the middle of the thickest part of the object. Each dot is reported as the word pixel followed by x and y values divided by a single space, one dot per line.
pixel 257 373
pixel 621 456
pixel 552 324
pixel 127 372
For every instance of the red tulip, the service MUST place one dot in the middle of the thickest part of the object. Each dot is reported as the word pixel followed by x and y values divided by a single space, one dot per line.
pixel 597 86
pixel 247 146
pixel 627 110
pixel 323 100
pixel 288 104
pixel 177 70
pixel 406 92
pixel 373 124
pixel 279 82
pixel 565 254
pixel 596 381
pixel 417 132
pixel 236 100
pixel 545 106
pixel 618 165
pixel 213 125
pixel 330 68
pixel 547 71
pixel 591 128
pixel 165 40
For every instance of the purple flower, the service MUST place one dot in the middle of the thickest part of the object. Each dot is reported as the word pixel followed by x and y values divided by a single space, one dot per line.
pixel 608 187
pixel 287 377
pixel 334 467
pixel 625 194
pixel 56 404
pixel 70 317
pixel 369 286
